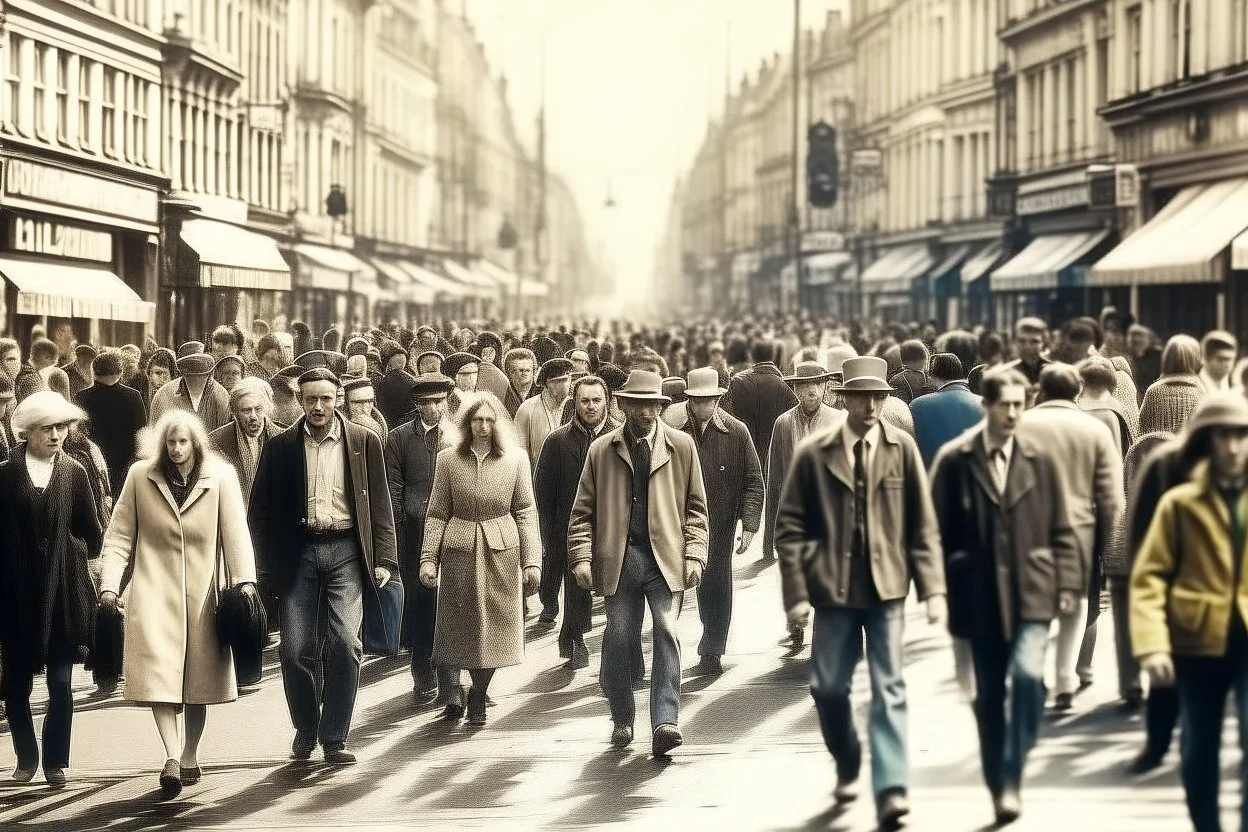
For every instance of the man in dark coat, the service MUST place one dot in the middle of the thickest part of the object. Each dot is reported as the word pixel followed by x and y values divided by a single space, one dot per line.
pixel 394 388
pixel 554 487
pixel 947 413
pixel 115 415
pixel 1000 505
pixel 758 397
pixel 1145 358
pixel 79 370
pixel 411 458
pixel 912 382
pixel 734 492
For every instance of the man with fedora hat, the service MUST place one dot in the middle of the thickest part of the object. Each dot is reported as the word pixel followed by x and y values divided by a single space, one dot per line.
pixel 411 457
pixel 809 416
pixel 196 390
pixel 734 490
pixel 638 536
pixel 537 417
pixel 854 527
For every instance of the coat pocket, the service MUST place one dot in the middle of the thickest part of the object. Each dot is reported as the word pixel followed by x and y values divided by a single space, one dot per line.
pixel 460 537
pixel 1188 611
pixel 501 533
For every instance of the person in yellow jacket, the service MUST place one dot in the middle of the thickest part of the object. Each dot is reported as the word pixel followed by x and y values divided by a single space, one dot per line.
pixel 1189 603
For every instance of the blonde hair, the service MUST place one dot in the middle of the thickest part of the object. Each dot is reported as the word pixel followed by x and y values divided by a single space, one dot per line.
pixel 178 420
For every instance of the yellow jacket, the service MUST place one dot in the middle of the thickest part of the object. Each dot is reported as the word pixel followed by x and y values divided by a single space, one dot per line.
pixel 1181 587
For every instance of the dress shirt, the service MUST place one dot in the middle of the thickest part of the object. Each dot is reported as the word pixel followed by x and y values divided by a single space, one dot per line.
pixel 849 438
pixel 999 464
pixel 328 509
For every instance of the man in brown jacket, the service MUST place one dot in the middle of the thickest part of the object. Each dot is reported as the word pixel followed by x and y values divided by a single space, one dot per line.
pixel 855 524
pixel 638 536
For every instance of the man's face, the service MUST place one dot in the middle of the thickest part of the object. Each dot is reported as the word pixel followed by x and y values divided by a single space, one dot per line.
pixel 1004 413
pixel 558 387
pixel 1229 457
pixel 1218 363
pixel 864 410
pixel 429 364
pixel 11 361
pixel 702 408
pixel 158 375
pixel 360 402
pixel 466 379
pixel 179 447
pixel 318 399
pixel 45 440
pixel 249 415
pixel 591 404
pixel 1030 344
pixel 222 348
pixel 809 394
pixel 229 374
pixel 641 415
pixel 521 374
pixel 272 358
pixel 431 410
pixel 483 422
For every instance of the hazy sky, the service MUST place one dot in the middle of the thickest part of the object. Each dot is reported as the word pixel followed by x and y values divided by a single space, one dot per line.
pixel 629 87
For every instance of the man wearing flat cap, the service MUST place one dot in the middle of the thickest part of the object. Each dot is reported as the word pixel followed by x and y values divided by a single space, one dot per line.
pixel 854 527
pixel 411 458
pixel 359 399
pixel 462 369
pixel 638 535
pixel 196 390
pixel 537 418
pixel 115 415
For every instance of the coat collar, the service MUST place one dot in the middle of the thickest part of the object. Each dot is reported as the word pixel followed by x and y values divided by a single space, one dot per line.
pixel 767 368
pixel 1055 404
pixel 1021 477
pixel 833 442
pixel 207 481
pixel 659 457
pixel 717 420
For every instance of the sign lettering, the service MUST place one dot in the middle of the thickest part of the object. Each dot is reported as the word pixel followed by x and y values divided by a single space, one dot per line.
pixel 42 237
pixel 57 186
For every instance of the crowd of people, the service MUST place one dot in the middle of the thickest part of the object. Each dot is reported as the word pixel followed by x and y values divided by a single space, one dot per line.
pixel 1018 483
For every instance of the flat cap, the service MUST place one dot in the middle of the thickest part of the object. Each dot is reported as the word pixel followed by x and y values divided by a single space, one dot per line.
pixel 196 364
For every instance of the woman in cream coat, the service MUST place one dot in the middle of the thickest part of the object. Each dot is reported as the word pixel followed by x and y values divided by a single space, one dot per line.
pixel 181 526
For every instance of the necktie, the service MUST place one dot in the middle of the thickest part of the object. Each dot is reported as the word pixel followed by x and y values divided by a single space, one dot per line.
pixel 859 541
pixel 999 469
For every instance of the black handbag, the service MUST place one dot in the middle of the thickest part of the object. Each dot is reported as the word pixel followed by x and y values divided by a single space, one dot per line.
pixel 383 617
pixel 242 623
pixel 110 639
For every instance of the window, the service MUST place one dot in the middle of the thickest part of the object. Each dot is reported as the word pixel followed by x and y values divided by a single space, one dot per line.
pixel 12 82
pixel 1103 133
pixel 138 122
pixel 1035 120
pixel 1009 160
pixel 1180 36
pixel 84 104
pixel 109 111
pixel 38 82
pixel 62 96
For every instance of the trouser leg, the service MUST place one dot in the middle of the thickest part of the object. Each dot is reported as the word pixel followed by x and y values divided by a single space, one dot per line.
pixel 836 648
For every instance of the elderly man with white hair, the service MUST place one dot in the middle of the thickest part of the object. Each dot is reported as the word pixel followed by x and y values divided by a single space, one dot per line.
pixel 242 440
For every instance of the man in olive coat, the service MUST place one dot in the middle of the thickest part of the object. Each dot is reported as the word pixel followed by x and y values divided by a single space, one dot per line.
pixel 734 493
pixel 854 527
pixel 1011 563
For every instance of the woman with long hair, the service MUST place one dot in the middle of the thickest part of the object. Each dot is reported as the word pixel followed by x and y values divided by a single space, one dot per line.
pixel 1170 400
pixel 482 549
pixel 180 524
pixel 48 530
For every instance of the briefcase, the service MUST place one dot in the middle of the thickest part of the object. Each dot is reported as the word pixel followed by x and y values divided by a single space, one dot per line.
pixel 383 617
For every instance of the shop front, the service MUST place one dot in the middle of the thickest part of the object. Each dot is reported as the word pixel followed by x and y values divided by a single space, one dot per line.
pixel 889 284
pixel 332 287
pixel 79 254
pixel 450 299
pixel 975 306
pixel 1048 278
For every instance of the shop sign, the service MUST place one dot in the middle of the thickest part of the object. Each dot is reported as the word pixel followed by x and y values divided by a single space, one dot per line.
pixel 1057 199
pixel 57 240
pixel 823 241
pixel 61 187
pixel 1114 186
pixel 1002 196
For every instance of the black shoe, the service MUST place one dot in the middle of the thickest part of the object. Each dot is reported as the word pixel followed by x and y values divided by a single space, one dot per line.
pixel 454 709
pixel 339 757
pixel 171 779
pixel 476 706
pixel 1132 701
pixel 1064 702
pixel 666 737
pixel 846 790
pixel 580 657
pixel 23 775
pixel 547 617
pixel 797 637
pixel 55 777
pixel 892 808
pixel 425 681
pixel 190 776
pixel 1146 761
pixel 303 746
pixel 710 665
pixel 1008 807
pixel 622 735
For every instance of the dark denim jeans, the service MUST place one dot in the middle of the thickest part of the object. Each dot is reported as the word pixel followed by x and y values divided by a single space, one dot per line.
pixel 1007 730
pixel 641 584
pixel 835 650
pixel 578 614
pixel 422 613
pixel 56 723
pixel 321 649
pixel 1203 686
pixel 715 604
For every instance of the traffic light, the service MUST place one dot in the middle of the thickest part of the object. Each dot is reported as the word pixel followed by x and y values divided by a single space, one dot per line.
pixel 821 165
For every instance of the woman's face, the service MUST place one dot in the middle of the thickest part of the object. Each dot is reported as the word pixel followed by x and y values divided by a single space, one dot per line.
pixel 157 376
pixel 11 362
pixel 229 374
pixel 178 446
pixel 483 423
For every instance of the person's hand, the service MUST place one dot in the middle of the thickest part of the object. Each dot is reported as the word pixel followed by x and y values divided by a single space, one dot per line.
pixel 532 579
pixel 799 614
pixel 1160 669
pixel 429 574
pixel 381 575
pixel 1067 601
pixel 937 609
pixel 746 539
pixel 583 573
pixel 693 574
pixel 108 599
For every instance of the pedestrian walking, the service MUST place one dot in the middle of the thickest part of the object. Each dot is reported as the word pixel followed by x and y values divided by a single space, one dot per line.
pixel 115 415
pixel 179 528
pixel 638 536
pixel 196 390
pixel 1012 564
pixel 482 549
pixel 554 487
pixel 1188 603
pixel 48 530
pixel 733 478
pixel 320 516
pixel 1170 400
pixel 538 417
pixel 519 364
pixel 855 527
pixel 394 388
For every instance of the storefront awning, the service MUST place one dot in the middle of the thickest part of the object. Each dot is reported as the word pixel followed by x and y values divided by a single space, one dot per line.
pixel 433 280
pixel 1182 243
pixel 235 258
pixel 322 267
pixel 479 285
pixel 822 269
pixel 62 290
pixel 1239 252
pixel 953 260
pixel 503 277
pixel 1042 264
pixel 405 286
pixel 982 262
pixel 896 270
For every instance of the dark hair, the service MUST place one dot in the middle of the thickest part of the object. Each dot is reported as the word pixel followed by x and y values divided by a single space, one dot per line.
pixel 996 379
pixel 762 351
pixel 947 367
pixel 991 345
pixel 106 364
pixel 589 381
pixel 43 348
pixel 913 351
pixel 518 354
pixel 962 344
pixel 318 374
pixel 1059 382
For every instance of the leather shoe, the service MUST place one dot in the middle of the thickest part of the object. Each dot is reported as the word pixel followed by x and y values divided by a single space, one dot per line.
pixel 846 790
pixel 580 657
pixel 171 779
pixel 1064 702
pixel 893 807
pixel 454 709
pixel 23 775
pixel 666 737
pixel 191 776
pixel 303 746
pixel 339 757
pixel 710 665
pixel 1145 761
pixel 55 778
pixel 622 736
pixel 1008 807
pixel 476 706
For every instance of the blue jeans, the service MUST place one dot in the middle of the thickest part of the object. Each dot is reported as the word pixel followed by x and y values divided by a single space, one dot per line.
pixel 56 723
pixel 1204 684
pixel 835 650
pixel 641 583
pixel 1008 732
pixel 321 649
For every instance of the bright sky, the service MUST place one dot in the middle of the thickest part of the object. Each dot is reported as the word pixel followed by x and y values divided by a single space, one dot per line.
pixel 630 85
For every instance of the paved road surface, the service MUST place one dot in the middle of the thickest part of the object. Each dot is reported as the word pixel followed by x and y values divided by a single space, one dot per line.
pixel 753 757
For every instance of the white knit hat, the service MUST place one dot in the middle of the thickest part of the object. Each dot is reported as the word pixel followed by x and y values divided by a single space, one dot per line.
pixel 44 408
